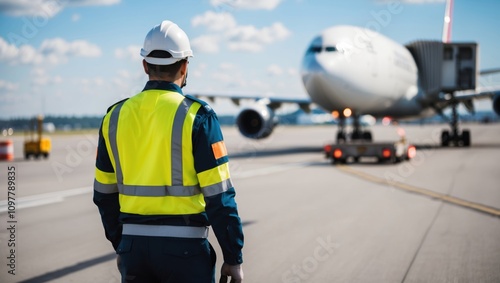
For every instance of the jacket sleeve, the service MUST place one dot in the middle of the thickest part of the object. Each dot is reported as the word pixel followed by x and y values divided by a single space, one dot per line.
pixel 106 193
pixel 211 162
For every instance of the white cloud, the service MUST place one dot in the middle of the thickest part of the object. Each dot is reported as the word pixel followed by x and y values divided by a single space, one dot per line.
pixel 245 46
pixel 206 44
pixel 28 55
pixel 25 54
pixel 274 70
pixel 227 66
pixel 130 52
pixel 46 80
pixel 8 86
pixel 57 50
pixel 249 38
pixel 57 80
pixel 246 4
pixel 292 71
pixel 214 21
pixel 46 8
pixel 127 83
pixel 41 78
pixel 51 51
pixel 59 46
pixel 93 2
pixel 199 71
pixel 75 17
pixel 7 50
pixel 223 29
pixel 412 1
pixel 92 82
pixel 230 80
pixel 227 74
pixel 31 7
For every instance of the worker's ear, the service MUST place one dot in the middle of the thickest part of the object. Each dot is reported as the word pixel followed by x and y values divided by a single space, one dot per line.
pixel 184 67
pixel 145 65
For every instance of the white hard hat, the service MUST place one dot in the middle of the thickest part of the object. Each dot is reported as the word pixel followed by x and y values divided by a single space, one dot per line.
pixel 166 37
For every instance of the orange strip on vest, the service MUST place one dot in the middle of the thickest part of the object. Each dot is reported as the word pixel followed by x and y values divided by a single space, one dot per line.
pixel 219 149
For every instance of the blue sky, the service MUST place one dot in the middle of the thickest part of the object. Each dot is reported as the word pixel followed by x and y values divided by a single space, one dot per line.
pixel 77 57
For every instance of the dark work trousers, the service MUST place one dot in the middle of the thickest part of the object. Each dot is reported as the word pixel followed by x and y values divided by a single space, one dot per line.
pixel 166 260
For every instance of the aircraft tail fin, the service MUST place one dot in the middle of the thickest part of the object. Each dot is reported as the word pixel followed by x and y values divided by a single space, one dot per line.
pixel 448 16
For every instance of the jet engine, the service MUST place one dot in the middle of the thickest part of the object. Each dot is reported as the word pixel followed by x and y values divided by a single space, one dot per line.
pixel 256 121
pixel 496 104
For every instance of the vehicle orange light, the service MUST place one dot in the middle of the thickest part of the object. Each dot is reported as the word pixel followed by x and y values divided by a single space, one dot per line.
pixel 412 151
pixel 386 153
pixel 327 148
pixel 335 114
pixel 337 153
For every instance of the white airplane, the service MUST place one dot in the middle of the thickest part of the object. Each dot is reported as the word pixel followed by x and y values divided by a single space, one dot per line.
pixel 353 71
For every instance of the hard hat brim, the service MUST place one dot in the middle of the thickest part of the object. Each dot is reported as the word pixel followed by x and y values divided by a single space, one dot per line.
pixel 162 61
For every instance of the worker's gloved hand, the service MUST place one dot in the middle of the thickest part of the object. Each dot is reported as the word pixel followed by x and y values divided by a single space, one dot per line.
pixel 233 271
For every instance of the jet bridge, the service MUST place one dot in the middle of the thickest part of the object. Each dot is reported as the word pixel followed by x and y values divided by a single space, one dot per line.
pixel 445 67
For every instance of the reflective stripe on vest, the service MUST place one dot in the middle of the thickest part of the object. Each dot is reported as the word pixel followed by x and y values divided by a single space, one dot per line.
pixel 159 191
pixel 105 188
pixel 131 193
pixel 105 182
pixel 218 188
pixel 165 231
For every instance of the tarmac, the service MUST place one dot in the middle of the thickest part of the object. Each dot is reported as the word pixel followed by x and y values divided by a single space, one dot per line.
pixel 432 219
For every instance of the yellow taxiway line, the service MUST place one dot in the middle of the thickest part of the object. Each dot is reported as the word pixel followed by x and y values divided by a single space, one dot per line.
pixel 424 192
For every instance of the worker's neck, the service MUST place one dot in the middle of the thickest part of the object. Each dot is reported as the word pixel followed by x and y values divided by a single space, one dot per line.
pixel 165 79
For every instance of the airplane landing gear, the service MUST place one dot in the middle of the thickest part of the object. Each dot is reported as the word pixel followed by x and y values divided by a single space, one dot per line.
pixel 454 137
pixel 357 133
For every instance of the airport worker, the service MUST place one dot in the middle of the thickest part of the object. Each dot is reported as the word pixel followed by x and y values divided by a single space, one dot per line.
pixel 162 176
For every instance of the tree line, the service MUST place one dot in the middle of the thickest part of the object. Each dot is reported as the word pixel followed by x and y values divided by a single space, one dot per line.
pixel 60 122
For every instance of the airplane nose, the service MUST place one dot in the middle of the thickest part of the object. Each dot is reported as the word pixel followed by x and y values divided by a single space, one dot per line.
pixel 319 75
pixel 314 71
pixel 330 79
pixel 317 64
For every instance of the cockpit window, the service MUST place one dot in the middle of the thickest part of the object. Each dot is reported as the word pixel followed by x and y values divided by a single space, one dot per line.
pixel 319 49
pixel 314 49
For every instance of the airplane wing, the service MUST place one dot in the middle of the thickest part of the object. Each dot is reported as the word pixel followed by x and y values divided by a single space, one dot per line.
pixel 257 120
pixel 466 97
pixel 482 93
pixel 489 71
pixel 272 102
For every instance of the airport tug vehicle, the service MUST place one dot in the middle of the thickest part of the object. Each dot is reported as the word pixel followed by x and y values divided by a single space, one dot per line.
pixel 37 145
pixel 363 147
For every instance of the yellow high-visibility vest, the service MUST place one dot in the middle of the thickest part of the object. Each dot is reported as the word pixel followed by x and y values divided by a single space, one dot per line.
pixel 149 141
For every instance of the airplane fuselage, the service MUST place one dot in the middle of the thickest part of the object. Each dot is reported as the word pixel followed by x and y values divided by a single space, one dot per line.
pixel 356 68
